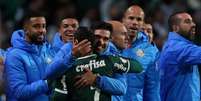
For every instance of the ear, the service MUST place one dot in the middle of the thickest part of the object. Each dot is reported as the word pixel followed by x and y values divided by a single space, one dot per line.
pixel 111 37
pixel 75 41
pixel 25 28
pixel 175 28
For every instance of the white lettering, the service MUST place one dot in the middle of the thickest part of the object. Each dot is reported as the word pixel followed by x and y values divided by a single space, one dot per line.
pixel 93 64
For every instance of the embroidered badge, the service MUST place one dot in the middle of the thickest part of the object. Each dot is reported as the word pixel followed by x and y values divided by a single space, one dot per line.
pixel 140 53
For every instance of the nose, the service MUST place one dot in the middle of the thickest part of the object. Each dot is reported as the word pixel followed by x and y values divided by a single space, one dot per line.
pixel 193 24
pixel 42 30
pixel 70 28
pixel 101 42
pixel 134 21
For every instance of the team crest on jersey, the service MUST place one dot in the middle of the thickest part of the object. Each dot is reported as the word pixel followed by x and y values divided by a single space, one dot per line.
pixel 93 64
pixel 140 53
pixel 48 60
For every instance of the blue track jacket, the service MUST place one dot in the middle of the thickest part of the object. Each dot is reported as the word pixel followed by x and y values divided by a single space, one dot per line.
pixel 144 86
pixel 179 72
pixel 27 66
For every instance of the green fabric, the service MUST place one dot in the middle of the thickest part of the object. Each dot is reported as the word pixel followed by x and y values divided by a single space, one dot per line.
pixel 100 65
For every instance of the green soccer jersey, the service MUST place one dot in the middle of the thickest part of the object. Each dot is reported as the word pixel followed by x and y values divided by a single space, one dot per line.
pixel 100 65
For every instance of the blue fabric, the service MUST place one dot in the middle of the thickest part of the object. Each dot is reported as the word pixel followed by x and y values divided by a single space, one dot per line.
pixel 144 86
pixel 2 53
pixel 57 43
pixel 179 72
pixel 61 62
pixel 26 67
pixel 116 85
pixel 24 70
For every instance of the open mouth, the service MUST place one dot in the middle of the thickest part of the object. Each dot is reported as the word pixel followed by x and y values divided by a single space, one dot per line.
pixel 193 30
pixel 41 37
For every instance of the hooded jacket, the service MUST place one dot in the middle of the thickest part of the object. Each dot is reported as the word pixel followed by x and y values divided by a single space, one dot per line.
pixel 24 70
pixel 57 43
pixel 27 66
pixel 179 72
pixel 144 86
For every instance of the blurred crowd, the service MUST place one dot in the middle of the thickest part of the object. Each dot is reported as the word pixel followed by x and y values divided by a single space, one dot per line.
pixel 87 11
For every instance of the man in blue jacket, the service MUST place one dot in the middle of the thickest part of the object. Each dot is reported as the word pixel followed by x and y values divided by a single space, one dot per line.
pixel 117 84
pixel 178 61
pixel 28 65
pixel 65 32
pixel 66 29
pixel 144 86
pixel 2 52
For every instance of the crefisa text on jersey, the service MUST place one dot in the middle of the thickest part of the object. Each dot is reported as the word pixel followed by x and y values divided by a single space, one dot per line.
pixel 91 65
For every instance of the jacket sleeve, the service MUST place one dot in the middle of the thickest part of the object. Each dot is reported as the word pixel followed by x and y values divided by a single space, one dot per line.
pixel 116 85
pixel 16 79
pixel 151 84
pixel 190 55
pixel 61 62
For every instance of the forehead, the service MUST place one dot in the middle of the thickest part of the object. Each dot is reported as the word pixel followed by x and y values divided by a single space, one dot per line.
pixel 148 26
pixel 135 12
pixel 102 32
pixel 121 29
pixel 69 21
pixel 184 16
pixel 37 20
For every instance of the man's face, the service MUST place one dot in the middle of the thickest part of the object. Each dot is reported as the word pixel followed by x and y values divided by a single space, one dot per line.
pixel 186 26
pixel 147 28
pixel 120 38
pixel 133 20
pixel 36 30
pixel 101 39
pixel 67 28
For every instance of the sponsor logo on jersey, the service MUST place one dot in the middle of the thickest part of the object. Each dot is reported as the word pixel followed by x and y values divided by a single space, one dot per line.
pixel 93 64
pixel 120 67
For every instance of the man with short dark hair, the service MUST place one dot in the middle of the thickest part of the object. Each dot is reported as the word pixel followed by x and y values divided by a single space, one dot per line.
pixel 178 61
pixel 29 65
pixel 66 29
pixel 90 88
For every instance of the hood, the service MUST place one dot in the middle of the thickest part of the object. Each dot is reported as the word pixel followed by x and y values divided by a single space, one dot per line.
pixel 18 41
pixel 141 37
pixel 113 49
pixel 176 36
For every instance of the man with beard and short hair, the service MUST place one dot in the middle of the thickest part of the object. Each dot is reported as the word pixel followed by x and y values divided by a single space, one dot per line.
pixel 178 61
pixel 96 84
pixel 29 66
pixel 115 85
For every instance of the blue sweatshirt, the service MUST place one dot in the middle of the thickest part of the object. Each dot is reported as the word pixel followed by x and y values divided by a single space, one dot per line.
pixel 144 86
pixel 179 72
pixel 27 66
pixel 24 71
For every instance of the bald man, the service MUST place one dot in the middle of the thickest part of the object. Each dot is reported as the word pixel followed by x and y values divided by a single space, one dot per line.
pixel 118 42
pixel 119 35
pixel 133 20
pixel 143 87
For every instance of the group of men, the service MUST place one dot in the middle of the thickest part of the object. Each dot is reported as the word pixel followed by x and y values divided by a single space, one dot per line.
pixel 110 61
